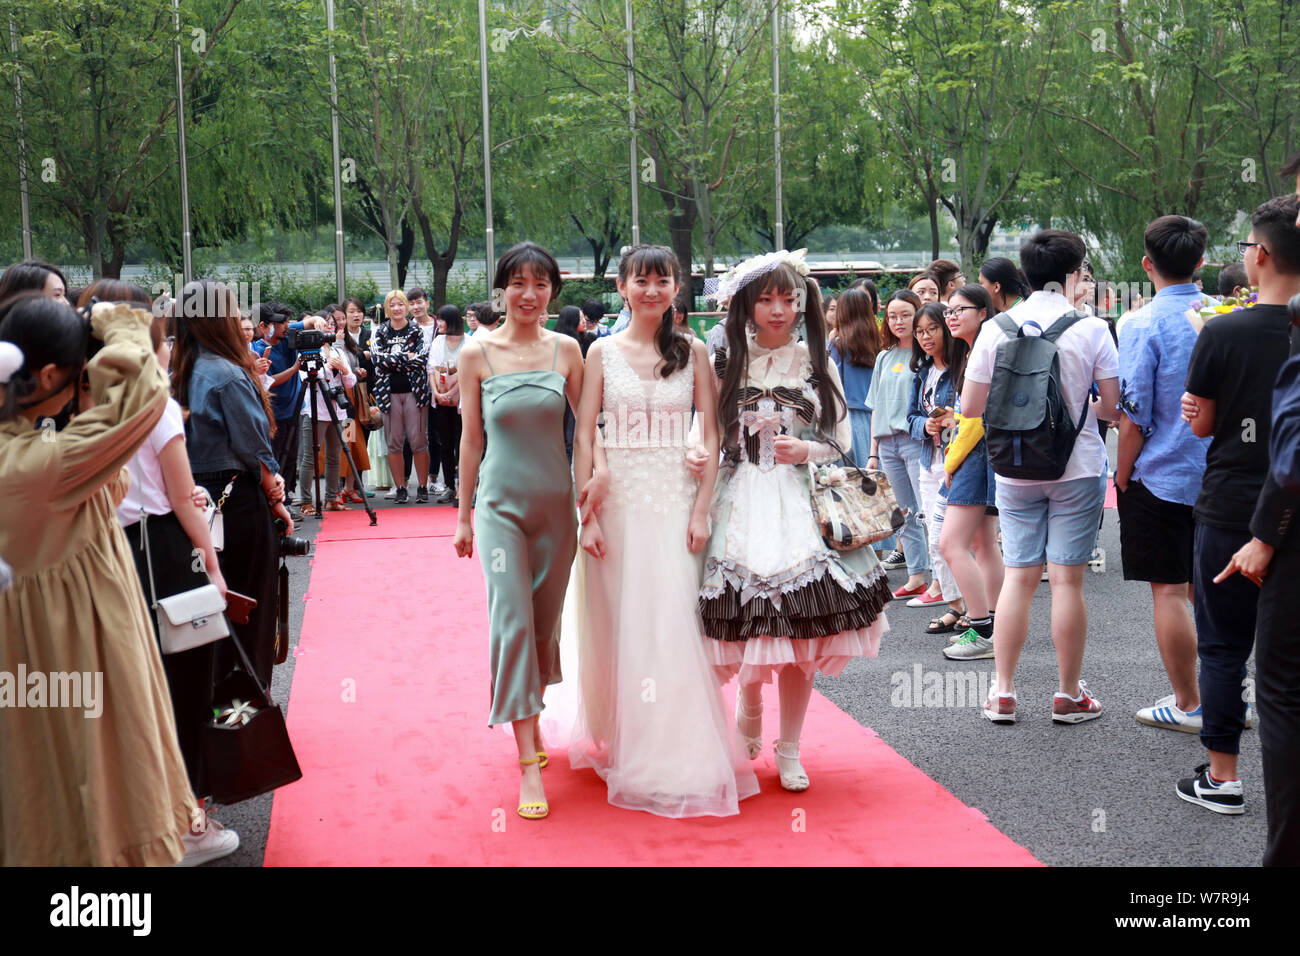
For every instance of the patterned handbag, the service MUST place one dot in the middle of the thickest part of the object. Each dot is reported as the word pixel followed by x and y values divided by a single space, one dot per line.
pixel 853 507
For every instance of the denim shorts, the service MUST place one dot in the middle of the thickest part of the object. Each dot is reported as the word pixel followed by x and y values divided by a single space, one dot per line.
pixel 973 482
pixel 1052 520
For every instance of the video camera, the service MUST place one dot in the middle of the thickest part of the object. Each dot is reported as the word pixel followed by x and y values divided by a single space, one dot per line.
pixel 306 341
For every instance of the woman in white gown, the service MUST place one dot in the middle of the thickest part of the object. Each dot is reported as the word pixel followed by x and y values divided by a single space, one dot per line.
pixel 650 715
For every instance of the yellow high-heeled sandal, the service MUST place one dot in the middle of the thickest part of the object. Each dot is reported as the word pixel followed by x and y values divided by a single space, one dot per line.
pixel 535 811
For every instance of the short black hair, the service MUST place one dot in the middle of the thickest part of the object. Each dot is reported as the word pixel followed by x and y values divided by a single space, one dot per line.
pixel 528 256
pixel 1274 225
pixel 415 292
pixel 452 316
pixel 484 312
pixel 1231 277
pixel 269 313
pixel 1050 256
pixel 1175 245
pixel 594 310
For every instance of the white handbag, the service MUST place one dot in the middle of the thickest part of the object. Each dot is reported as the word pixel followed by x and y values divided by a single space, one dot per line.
pixel 216 522
pixel 189 619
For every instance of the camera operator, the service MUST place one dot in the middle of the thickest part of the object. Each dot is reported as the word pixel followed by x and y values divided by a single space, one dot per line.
pixel 75 791
pixel 286 387
pixel 335 376
pixel 229 437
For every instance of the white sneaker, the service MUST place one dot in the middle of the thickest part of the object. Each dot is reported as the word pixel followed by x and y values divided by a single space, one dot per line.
pixel 212 844
pixel 438 489
pixel 391 493
pixel 1165 714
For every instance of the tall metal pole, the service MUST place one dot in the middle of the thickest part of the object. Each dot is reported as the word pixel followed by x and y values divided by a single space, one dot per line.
pixel 338 173
pixel 631 125
pixel 22 143
pixel 778 231
pixel 187 263
pixel 487 146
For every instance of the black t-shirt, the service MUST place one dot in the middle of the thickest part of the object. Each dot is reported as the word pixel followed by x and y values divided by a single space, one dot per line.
pixel 1235 362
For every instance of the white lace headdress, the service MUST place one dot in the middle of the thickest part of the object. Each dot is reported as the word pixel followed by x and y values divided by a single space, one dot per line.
pixel 724 288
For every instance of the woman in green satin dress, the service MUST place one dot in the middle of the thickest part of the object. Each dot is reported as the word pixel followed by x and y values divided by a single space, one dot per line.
pixel 514 382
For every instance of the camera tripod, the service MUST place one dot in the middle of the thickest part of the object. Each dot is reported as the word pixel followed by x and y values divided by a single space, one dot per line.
pixel 312 364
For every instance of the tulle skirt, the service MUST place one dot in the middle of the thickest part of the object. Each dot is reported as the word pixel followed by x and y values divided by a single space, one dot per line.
pixel 651 720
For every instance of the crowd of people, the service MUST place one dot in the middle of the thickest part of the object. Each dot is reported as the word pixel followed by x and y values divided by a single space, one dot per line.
pixel 152 447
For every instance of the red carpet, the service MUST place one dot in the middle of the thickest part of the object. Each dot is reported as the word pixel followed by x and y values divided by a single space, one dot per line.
pixel 388 711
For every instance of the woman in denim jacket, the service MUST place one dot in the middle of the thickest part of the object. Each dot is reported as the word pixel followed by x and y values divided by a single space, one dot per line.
pixel 929 416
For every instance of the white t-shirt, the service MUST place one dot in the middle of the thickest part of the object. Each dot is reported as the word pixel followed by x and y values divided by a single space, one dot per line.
pixel 1087 354
pixel 147 488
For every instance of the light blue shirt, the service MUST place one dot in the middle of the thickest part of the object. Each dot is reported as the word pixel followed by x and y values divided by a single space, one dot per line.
pixel 890 392
pixel 623 321
pixel 1155 347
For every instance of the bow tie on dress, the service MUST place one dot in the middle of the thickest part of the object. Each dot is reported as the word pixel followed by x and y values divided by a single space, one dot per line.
pixel 755 422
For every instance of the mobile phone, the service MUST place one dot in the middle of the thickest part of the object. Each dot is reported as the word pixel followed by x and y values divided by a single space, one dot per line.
pixel 938 412
pixel 239 606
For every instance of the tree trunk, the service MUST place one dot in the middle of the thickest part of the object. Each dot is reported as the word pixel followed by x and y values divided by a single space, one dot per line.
pixel 404 249
pixel 441 261
pixel 934 227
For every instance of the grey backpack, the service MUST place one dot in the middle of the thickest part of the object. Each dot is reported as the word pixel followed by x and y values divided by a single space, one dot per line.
pixel 1027 422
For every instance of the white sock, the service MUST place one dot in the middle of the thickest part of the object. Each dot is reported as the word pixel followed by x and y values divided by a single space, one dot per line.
pixel 796 690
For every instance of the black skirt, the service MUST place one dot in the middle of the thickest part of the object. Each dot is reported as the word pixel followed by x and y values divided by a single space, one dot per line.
pixel 189 673
pixel 249 565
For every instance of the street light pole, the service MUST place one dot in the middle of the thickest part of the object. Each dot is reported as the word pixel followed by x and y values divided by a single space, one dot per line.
pixel 631 125
pixel 187 265
pixel 490 258
pixel 778 231
pixel 338 173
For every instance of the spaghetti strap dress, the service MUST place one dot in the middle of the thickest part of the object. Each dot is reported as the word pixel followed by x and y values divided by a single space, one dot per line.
pixel 526 525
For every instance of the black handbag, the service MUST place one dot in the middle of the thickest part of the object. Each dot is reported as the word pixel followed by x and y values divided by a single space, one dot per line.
pixel 246 745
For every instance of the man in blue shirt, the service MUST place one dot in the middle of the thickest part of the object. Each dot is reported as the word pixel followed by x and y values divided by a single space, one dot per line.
pixel 1160 462
pixel 286 387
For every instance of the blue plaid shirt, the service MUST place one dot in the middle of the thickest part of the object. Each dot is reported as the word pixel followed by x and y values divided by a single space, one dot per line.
pixel 1155 347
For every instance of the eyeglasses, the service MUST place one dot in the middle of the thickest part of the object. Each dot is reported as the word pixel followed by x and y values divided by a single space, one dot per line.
pixel 955 311
pixel 929 331
pixel 1243 245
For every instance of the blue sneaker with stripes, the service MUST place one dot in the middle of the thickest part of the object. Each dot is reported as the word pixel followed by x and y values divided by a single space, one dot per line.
pixel 1165 713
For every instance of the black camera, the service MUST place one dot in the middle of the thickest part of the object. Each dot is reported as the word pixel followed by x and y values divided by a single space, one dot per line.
pixel 340 396
pixel 291 546
pixel 306 340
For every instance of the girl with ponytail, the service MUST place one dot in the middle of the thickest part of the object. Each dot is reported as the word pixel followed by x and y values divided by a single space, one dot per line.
pixel 776 599
pixel 641 568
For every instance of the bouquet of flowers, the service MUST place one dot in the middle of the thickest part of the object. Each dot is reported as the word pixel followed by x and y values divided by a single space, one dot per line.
pixel 1198 317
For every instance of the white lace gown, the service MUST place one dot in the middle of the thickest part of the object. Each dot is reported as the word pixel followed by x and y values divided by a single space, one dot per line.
pixel 650 717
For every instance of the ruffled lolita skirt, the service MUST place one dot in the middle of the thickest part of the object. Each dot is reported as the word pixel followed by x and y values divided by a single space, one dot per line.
pixel 774 594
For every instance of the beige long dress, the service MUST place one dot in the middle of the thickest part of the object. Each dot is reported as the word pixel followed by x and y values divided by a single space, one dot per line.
pixel 79 790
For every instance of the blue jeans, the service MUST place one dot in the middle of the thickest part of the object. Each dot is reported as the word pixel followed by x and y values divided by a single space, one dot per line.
pixel 900 458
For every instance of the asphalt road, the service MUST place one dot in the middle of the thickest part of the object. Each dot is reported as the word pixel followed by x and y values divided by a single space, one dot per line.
pixel 1096 793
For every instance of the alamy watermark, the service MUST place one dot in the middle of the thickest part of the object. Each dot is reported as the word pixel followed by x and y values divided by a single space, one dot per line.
pixel 81 690
pixel 953 689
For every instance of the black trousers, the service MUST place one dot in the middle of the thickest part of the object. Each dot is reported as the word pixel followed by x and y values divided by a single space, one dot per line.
pixel 1225 635
pixel 250 565
pixel 189 673
pixel 1277 693
pixel 447 420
